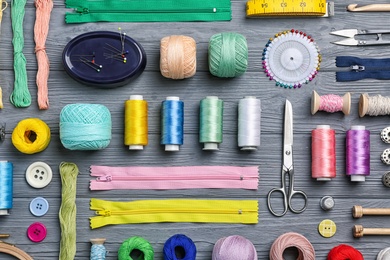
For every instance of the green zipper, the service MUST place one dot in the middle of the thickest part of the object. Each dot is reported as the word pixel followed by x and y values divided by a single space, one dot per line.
pixel 148 11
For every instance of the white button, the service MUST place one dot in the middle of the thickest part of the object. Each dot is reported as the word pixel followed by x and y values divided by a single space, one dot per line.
pixel 39 206
pixel 39 175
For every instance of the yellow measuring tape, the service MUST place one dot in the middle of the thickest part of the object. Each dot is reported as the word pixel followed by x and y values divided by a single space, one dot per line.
pixel 263 8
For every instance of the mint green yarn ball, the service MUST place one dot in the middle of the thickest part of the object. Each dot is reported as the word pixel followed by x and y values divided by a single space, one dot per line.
pixel 228 55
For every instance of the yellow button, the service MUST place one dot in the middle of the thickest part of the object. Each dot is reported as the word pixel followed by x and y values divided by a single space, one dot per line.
pixel 327 228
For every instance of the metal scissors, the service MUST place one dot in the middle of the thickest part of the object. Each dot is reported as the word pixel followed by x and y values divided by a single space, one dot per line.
pixel 351 41
pixel 287 168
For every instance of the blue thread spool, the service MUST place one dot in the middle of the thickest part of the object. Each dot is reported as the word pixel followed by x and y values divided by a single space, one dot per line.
pixel 179 247
pixel 6 187
pixel 172 123
pixel 98 250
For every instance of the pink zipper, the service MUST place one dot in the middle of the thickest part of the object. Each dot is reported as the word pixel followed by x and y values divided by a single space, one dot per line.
pixel 168 178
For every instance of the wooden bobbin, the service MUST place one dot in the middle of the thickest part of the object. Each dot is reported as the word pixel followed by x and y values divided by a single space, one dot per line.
pixel 97 241
pixel 316 101
pixel 359 231
pixel 363 105
pixel 359 211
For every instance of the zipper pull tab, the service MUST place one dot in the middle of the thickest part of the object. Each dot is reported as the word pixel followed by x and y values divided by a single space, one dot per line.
pixel 357 68
pixel 106 178
pixel 82 10
pixel 104 213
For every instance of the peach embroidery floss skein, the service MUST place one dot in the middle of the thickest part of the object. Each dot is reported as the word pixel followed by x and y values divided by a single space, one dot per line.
pixel 291 239
pixel 178 57
pixel 41 29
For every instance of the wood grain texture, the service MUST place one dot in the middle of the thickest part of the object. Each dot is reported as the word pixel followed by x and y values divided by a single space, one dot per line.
pixel 63 90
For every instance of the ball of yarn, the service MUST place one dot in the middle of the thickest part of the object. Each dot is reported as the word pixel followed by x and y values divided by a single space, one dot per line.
pixel 234 248
pixel 228 55
pixel 344 252
pixel 31 135
pixel 182 243
pixel 178 57
pixel 291 239
pixel 85 127
pixel 133 243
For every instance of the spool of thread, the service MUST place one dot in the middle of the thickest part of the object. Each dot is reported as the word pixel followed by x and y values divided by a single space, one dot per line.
pixel 330 103
pixel 249 116
pixel 172 123
pixel 98 250
pixel 358 153
pixel 291 239
pixel 323 153
pixel 1 99
pixel 234 248
pixel 137 243
pixel 228 55
pixel 6 187
pixel 178 57
pixel 344 252
pixel 85 127
pixel 211 122
pixel 374 106
pixel 179 247
pixel 136 122
pixel 31 135
pixel 384 254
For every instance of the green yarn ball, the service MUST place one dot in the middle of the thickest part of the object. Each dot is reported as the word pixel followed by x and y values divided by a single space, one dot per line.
pixel 228 55
pixel 133 243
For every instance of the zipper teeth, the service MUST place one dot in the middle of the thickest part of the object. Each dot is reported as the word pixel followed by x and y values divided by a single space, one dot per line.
pixel 203 10
pixel 104 212
pixel 171 178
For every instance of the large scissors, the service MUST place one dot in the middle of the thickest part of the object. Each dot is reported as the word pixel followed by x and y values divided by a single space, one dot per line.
pixel 287 168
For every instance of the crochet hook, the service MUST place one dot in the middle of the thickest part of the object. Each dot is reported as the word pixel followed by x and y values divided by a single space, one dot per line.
pixel 369 8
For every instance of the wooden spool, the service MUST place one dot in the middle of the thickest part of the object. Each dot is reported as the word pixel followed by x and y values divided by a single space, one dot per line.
pixel 359 211
pixel 359 231
pixel 316 102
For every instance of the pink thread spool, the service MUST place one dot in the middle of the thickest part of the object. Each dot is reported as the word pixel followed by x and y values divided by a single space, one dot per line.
pixel 323 153
pixel 330 103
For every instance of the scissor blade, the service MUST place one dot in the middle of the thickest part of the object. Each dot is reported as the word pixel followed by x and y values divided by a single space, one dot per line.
pixel 346 33
pixel 288 124
pixel 347 42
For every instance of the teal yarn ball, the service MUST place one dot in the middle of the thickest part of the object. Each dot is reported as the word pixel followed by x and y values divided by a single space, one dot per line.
pixel 228 55
pixel 85 127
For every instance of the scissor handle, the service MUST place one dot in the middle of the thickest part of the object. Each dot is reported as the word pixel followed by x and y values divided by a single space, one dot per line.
pixel 290 197
pixel 285 202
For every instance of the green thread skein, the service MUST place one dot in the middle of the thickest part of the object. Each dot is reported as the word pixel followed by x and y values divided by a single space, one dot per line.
pixel 228 55
pixel 133 243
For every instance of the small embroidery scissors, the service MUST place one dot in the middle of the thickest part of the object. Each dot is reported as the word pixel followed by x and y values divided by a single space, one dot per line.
pixel 351 41
pixel 287 168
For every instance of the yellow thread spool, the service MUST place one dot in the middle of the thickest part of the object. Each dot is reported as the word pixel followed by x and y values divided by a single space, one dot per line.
pixel 136 122
pixel 31 135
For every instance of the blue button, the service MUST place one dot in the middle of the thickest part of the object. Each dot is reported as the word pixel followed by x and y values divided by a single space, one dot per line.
pixel 39 206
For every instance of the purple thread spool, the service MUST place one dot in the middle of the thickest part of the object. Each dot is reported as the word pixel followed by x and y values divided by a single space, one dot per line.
pixel 358 153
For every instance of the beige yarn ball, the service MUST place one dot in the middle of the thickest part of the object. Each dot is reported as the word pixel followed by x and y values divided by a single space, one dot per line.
pixel 178 57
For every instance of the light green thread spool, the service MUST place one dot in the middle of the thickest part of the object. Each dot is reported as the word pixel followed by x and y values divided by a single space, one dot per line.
pixel 211 118
pixel 228 55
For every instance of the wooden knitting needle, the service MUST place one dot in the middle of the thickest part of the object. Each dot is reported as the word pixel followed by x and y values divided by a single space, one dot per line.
pixel 369 8
pixel 359 211
pixel 359 231
pixel 4 235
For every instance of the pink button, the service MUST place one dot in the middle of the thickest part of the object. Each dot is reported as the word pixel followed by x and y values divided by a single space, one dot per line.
pixel 36 232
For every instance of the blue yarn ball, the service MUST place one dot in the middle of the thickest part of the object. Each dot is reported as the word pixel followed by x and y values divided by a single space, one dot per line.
pixel 85 127
pixel 179 241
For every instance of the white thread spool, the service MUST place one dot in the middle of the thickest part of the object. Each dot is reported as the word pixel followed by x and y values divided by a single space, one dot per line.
pixel 249 117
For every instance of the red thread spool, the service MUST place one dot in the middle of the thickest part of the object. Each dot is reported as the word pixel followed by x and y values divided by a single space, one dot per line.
pixel 323 153
pixel 344 252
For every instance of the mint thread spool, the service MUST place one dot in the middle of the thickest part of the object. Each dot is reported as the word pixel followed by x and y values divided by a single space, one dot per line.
pixel 211 122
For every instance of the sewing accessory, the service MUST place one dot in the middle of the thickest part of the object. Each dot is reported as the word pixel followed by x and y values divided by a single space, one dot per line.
pixel 103 71
pixel 14 251
pixel 385 135
pixel 330 103
pixel 374 106
pixel 323 153
pixel 211 122
pixel 353 68
pixel 1 98
pixel 291 59
pixel 4 236
pixel 136 122
pixel 358 153
pixel 345 252
pixel 351 41
pixel 287 169
pixel 360 231
pixel 39 206
pixel 172 123
pixel 369 8
pixel 179 246
pixel 386 179
pixel 289 8
pixel 98 250
pixel 177 57
pixel 234 247
pixel 249 117
pixel 385 156
pixel 2 132
pixel 135 243
pixel 37 232
pixel 39 175
pixel 327 203
pixel 228 55
pixel 384 254
pixel 359 211
pixel 31 135
pixel 6 187
pixel 302 244
pixel 327 228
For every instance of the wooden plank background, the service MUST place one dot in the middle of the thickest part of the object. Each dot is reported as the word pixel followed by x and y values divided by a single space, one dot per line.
pixel 63 90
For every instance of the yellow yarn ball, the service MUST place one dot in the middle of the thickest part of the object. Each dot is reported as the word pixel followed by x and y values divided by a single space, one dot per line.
pixel 31 135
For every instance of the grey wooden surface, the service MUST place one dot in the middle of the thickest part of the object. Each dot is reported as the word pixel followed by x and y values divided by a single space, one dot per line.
pixel 64 90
